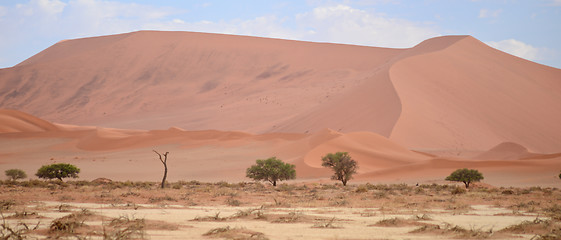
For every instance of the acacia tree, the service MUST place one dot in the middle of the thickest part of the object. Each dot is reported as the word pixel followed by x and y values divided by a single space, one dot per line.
pixel 466 176
pixel 344 167
pixel 15 174
pixel 164 161
pixel 272 170
pixel 58 170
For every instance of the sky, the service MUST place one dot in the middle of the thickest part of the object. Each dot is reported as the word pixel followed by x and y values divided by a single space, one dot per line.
pixel 529 29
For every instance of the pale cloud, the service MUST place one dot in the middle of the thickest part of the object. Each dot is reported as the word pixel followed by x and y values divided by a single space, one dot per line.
pixel 555 2
pixel 3 11
pixel 521 49
pixel 51 6
pixel 29 27
pixel 76 18
pixel 486 13
pixel 344 24
pixel 338 24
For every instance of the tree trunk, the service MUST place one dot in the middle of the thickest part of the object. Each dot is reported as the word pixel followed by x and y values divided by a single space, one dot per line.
pixel 467 184
pixel 165 174
pixel 164 161
pixel 344 182
pixel 274 183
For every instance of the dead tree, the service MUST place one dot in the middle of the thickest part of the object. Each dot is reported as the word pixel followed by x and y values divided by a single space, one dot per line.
pixel 164 161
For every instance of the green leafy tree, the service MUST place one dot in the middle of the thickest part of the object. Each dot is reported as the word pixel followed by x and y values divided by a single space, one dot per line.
pixel 344 167
pixel 272 170
pixel 466 176
pixel 58 170
pixel 15 174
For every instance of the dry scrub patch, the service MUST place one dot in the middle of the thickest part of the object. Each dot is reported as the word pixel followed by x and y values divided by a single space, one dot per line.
pixel 120 210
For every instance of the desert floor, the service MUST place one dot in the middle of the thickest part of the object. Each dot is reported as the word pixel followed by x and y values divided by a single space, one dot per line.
pixel 196 210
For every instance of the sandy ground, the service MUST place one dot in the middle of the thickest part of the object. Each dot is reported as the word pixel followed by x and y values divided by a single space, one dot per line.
pixel 255 211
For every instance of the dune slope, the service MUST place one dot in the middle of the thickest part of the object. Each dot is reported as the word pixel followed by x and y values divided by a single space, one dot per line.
pixel 15 121
pixel 449 94
pixel 470 96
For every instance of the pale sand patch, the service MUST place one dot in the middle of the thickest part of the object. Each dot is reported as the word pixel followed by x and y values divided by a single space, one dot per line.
pixel 182 224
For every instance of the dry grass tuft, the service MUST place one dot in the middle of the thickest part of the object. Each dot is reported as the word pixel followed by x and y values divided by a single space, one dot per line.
pixel 125 227
pixel 235 233
pixel 326 224
pixel 18 231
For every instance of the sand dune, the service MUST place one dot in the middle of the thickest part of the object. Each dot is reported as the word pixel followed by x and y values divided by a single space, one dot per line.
pixel 403 114
pixel 470 96
pixel 16 121
pixel 211 155
pixel 507 151
pixel 449 93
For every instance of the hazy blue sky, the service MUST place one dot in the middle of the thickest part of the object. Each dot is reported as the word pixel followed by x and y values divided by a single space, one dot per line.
pixel 526 28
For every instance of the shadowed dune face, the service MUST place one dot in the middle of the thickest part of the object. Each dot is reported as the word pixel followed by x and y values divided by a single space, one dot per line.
pixel 448 94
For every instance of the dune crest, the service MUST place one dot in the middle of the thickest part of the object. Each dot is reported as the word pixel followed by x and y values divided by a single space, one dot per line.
pixel 469 96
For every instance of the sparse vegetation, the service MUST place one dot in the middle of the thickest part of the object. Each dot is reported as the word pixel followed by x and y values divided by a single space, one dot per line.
pixel 58 171
pixel 467 176
pixel 271 170
pixel 312 205
pixel 343 166
pixel 15 174
pixel 125 227
pixel 234 233
pixel 17 231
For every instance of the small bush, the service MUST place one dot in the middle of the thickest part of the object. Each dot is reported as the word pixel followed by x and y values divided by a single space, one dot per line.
pixel 361 189
pixel 125 227
pixel 507 192
pixel 15 174
pixel 458 190
pixel 70 223
pixel 233 202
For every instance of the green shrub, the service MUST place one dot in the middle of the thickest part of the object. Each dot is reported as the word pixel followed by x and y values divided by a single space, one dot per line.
pixel 343 166
pixel 272 170
pixel 15 174
pixel 58 171
pixel 466 176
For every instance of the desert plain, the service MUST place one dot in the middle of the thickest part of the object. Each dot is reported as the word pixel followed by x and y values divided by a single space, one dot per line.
pixel 216 103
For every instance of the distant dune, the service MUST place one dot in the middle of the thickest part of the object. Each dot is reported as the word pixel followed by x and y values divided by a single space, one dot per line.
pixel 210 155
pixel 448 102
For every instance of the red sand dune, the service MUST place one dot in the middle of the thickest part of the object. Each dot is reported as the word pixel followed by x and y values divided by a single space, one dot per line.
pixel 211 155
pixel 16 121
pixel 507 151
pixel 447 93
pixel 401 113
